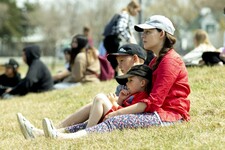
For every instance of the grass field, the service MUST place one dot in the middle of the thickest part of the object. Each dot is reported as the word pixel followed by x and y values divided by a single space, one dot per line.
pixel 206 130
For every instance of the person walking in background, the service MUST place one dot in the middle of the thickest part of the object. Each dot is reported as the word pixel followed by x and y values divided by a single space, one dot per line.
pixel 202 44
pixel 120 29
pixel 38 77
pixel 11 77
pixel 84 63
pixel 87 33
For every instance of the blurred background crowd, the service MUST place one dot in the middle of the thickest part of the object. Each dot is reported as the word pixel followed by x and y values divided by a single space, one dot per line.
pixel 51 24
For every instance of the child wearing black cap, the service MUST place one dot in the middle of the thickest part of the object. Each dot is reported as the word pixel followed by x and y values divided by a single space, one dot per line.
pixel 11 76
pixel 138 82
pixel 127 56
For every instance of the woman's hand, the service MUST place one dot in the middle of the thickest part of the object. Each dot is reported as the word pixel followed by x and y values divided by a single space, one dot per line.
pixel 112 114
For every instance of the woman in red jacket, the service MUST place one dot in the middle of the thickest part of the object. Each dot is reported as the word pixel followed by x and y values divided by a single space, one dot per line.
pixel 168 101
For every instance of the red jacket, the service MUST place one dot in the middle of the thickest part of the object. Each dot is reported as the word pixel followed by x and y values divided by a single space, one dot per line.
pixel 170 89
pixel 135 98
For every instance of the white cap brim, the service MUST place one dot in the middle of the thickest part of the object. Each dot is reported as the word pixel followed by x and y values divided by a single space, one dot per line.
pixel 141 27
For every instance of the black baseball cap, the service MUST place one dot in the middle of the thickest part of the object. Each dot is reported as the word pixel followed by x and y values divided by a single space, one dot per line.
pixel 130 49
pixel 12 63
pixel 137 70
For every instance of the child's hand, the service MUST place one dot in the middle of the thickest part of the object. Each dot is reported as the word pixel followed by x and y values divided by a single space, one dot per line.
pixel 124 94
pixel 8 90
pixel 112 97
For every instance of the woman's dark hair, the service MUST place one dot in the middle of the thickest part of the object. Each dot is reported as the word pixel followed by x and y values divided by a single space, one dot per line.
pixel 167 46
pixel 82 42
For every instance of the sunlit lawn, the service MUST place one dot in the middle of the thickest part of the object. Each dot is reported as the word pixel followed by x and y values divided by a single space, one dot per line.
pixel 206 130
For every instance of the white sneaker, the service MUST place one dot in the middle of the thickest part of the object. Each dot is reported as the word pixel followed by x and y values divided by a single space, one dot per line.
pixel 220 63
pixel 49 130
pixel 25 126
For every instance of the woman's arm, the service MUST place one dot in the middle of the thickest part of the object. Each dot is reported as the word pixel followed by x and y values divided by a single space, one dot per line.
pixel 132 109
pixel 61 75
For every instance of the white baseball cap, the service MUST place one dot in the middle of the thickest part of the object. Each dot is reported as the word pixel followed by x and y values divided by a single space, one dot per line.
pixel 156 21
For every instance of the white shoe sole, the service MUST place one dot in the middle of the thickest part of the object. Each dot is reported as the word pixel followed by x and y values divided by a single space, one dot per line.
pixel 24 129
pixel 49 130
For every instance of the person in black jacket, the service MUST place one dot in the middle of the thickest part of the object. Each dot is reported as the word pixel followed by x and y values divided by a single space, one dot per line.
pixel 38 78
pixel 11 76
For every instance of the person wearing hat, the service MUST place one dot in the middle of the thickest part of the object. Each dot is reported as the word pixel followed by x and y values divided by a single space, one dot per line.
pixel 127 56
pixel 168 101
pixel 11 76
pixel 138 82
pixel 38 78
pixel 119 30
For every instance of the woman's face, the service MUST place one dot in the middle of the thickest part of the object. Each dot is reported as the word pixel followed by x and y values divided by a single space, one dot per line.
pixel 74 43
pixel 125 63
pixel 135 11
pixel 151 39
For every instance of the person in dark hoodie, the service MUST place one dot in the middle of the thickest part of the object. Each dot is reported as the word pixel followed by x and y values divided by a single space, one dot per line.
pixel 38 78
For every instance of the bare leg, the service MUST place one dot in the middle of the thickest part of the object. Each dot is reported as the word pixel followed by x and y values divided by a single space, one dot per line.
pixel 75 135
pixel 79 116
pixel 100 106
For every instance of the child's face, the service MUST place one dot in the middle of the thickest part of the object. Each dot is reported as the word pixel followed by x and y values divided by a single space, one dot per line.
pixel 9 71
pixel 125 63
pixel 135 84
pixel 67 57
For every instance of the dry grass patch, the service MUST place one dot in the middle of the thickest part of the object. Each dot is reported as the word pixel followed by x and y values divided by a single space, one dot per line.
pixel 204 131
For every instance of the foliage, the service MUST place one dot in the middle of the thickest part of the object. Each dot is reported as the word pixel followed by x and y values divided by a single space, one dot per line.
pixel 204 131
pixel 14 22
pixel 11 20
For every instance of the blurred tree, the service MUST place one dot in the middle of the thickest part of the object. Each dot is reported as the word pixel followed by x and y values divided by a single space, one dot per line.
pixel 184 14
pixel 64 19
pixel 13 25
pixel 11 18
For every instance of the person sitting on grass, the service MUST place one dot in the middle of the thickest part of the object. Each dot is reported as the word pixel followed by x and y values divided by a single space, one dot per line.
pixel 57 78
pixel 127 56
pixel 168 102
pixel 84 64
pixel 38 78
pixel 11 77
pixel 138 82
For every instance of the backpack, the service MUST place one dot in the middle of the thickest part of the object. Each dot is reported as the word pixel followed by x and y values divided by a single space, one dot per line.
pixel 106 70
pixel 109 27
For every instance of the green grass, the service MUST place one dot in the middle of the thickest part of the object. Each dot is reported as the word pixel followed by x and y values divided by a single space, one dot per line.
pixel 206 130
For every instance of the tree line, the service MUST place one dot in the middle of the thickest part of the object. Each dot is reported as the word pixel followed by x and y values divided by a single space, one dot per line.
pixel 63 19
